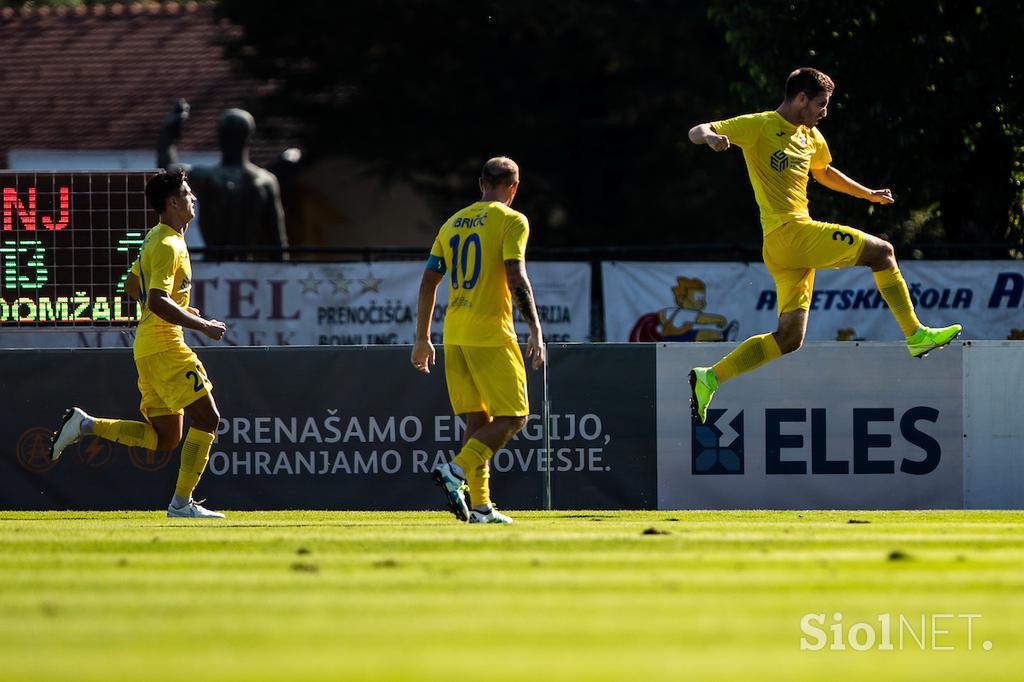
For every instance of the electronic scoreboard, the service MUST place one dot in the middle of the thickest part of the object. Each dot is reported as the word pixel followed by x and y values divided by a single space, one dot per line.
pixel 67 242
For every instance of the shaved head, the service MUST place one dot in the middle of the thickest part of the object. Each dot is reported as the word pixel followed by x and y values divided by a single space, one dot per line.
pixel 500 171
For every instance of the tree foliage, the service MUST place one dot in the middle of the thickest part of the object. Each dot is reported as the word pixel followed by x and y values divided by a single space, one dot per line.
pixel 594 100
pixel 928 102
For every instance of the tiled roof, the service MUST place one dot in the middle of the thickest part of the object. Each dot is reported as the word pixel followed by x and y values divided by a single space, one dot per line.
pixel 104 77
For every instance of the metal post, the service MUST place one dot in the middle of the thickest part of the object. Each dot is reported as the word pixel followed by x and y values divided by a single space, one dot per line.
pixel 546 415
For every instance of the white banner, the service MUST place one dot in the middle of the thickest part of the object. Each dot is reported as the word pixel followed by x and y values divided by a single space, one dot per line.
pixel 730 301
pixel 311 304
pixel 993 428
pixel 832 426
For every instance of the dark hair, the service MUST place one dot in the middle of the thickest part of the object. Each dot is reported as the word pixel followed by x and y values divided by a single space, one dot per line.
pixel 163 186
pixel 500 170
pixel 809 81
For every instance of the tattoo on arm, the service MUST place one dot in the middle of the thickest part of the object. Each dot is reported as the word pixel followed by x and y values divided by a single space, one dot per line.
pixel 524 301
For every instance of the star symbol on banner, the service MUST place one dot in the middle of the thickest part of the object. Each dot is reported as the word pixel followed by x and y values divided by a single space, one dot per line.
pixel 339 283
pixel 371 283
pixel 310 284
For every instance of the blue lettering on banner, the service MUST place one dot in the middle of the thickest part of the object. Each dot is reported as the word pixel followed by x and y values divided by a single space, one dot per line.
pixel 766 301
pixel 1009 289
pixel 844 299
pixel 930 446
pixel 775 441
pixel 864 440
pixel 871 299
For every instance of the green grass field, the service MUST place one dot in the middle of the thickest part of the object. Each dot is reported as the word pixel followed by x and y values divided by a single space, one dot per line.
pixel 559 595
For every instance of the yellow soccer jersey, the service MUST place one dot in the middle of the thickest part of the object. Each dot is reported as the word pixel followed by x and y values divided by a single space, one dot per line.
pixel 778 155
pixel 472 248
pixel 163 264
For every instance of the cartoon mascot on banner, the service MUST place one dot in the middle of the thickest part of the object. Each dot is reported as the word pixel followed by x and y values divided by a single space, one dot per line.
pixel 687 321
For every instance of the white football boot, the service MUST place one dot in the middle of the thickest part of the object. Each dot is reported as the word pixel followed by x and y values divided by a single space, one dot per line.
pixel 492 515
pixel 452 484
pixel 69 433
pixel 192 510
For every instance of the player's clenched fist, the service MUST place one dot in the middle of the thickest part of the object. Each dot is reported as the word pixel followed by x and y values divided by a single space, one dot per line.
pixel 717 142
pixel 423 356
pixel 214 329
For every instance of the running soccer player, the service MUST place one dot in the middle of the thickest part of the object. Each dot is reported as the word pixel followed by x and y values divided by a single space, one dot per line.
pixel 482 248
pixel 172 380
pixel 779 148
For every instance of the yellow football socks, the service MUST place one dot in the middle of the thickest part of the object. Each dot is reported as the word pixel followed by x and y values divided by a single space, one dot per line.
pixel 472 459
pixel 894 290
pixel 478 480
pixel 135 434
pixel 751 354
pixel 195 453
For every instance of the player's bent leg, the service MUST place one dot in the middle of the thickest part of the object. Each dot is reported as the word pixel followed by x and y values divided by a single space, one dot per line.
pixel 792 329
pixel 493 437
pixel 478 477
pixel 203 413
pixel 877 254
pixel 168 431
pixel 880 256
pixel 748 356
pixel 131 433
pixel 195 454
pixel 74 424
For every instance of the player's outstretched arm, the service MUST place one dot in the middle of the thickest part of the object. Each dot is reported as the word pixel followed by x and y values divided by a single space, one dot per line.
pixel 703 134
pixel 164 307
pixel 422 349
pixel 522 294
pixel 835 180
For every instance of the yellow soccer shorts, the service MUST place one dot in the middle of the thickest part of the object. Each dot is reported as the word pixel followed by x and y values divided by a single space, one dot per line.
pixel 489 379
pixel 171 380
pixel 795 250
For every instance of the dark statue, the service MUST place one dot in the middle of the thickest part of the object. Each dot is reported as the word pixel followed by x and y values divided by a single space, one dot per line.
pixel 239 202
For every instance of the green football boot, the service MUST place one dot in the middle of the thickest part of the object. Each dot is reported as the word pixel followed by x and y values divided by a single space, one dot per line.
pixel 703 384
pixel 927 339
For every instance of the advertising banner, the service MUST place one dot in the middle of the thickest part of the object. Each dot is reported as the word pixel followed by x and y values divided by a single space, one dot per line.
pixel 730 301
pixel 330 304
pixel 857 426
pixel 993 428
pixel 327 428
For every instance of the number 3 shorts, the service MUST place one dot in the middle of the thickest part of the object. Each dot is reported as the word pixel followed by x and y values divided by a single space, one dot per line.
pixel 795 250
pixel 170 380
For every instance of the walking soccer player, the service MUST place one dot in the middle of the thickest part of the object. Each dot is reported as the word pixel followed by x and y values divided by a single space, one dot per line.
pixel 483 250
pixel 779 148
pixel 172 380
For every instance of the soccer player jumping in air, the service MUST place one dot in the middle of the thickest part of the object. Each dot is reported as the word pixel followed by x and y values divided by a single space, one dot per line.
pixel 172 380
pixel 780 147
pixel 482 248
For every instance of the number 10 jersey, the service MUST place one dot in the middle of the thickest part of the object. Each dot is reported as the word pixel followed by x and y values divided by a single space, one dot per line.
pixel 472 247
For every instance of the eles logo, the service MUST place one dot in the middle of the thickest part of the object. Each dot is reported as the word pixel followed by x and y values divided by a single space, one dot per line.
pixel 718 449
pixel 864 440
pixel 780 161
